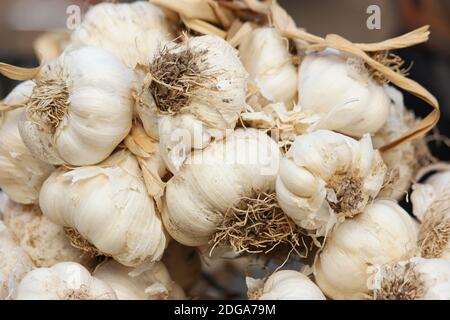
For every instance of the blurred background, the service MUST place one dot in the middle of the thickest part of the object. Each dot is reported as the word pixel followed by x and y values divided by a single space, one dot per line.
pixel 21 21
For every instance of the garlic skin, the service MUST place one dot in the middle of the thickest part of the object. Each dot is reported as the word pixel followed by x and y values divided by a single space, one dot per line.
pixel 14 263
pixel 131 31
pixel 287 285
pixel 21 174
pixel 63 281
pixel 109 207
pixel 382 234
pixel 80 108
pixel 216 179
pixel 149 281
pixel 325 177
pixel 265 55
pixel 341 92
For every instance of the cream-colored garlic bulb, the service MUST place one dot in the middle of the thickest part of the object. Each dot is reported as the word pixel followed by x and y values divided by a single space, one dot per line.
pixel 215 180
pixel 265 55
pixel 14 263
pixel 80 109
pixel 21 174
pixel 383 233
pixel 131 31
pixel 413 279
pixel 191 93
pixel 107 209
pixel 63 281
pixel 149 281
pixel 326 176
pixel 340 90
pixel 284 285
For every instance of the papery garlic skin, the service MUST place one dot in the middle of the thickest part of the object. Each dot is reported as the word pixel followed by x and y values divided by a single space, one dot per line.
pixel 383 233
pixel 149 281
pixel 314 169
pixel 108 205
pixel 265 55
pixel 63 281
pixel 89 94
pixel 131 31
pixel 216 179
pixel 341 92
pixel 21 174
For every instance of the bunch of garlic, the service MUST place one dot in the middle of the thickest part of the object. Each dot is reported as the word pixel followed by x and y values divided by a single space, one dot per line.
pixel 131 31
pixel 80 108
pixel 325 177
pixel 284 285
pixel 63 281
pixel 21 174
pixel 382 234
pixel 106 209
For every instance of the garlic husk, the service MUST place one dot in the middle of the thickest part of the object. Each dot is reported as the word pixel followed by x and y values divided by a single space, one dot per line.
pixel 50 45
pixel 382 234
pixel 265 55
pixel 108 207
pixel 80 109
pixel 216 179
pixel 341 92
pixel 63 281
pixel 285 285
pixel 14 263
pixel 211 94
pixel 413 279
pixel 149 281
pixel 21 174
pixel 326 177
pixel 131 31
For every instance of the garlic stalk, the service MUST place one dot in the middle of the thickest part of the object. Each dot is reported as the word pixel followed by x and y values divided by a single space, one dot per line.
pixel 63 281
pixel 106 209
pixel 80 108
pixel 382 234
pixel 326 177
pixel 21 174
pixel 284 285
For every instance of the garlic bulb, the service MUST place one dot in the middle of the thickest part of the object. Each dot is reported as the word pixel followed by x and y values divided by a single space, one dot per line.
pixel 341 92
pixel 131 31
pixel 265 55
pixel 191 92
pixel 215 180
pixel 284 285
pixel 14 263
pixel 63 281
pixel 149 281
pixel 413 279
pixel 383 233
pixel 107 209
pixel 326 176
pixel 80 108
pixel 21 175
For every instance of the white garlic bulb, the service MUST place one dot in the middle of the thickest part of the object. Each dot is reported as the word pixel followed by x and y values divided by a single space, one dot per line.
pixel 149 281
pixel 413 279
pixel 80 109
pixel 21 174
pixel 216 179
pixel 192 92
pixel 63 281
pixel 265 55
pixel 131 31
pixel 107 209
pixel 383 233
pixel 14 263
pixel 342 93
pixel 326 176
pixel 284 285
